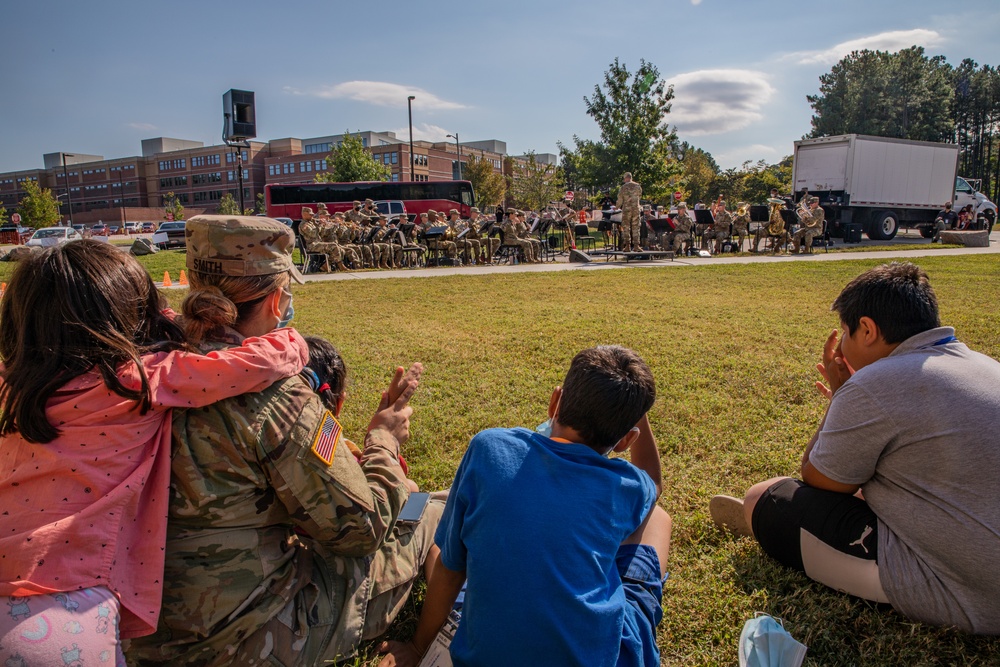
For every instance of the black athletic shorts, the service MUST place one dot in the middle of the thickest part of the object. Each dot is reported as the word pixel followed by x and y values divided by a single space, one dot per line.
pixel 843 522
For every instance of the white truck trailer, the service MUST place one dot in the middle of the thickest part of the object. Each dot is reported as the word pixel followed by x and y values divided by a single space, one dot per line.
pixel 883 183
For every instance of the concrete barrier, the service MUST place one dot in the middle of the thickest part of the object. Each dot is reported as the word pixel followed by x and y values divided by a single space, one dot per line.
pixel 970 239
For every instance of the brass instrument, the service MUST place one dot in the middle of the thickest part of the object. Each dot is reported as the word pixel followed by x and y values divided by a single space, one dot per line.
pixel 743 210
pixel 775 223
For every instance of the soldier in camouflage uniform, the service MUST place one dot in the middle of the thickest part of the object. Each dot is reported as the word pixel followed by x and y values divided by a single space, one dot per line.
pixel 469 245
pixel 488 244
pixel 511 238
pixel 282 548
pixel 353 235
pixel 311 231
pixel 521 227
pixel 721 228
pixel 811 225
pixel 628 202
pixel 440 243
pixel 741 223
pixel 682 227
pixel 383 239
pixel 328 233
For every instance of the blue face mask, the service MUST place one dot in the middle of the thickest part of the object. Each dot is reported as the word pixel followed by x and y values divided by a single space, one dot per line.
pixel 545 428
pixel 289 313
pixel 765 643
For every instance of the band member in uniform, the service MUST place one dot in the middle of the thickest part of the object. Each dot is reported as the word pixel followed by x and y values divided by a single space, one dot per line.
pixel 468 246
pixel 741 223
pixel 310 231
pixel 352 235
pixel 511 238
pixel 628 202
pixel 682 227
pixel 523 233
pixel 721 227
pixel 489 244
pixel 811 216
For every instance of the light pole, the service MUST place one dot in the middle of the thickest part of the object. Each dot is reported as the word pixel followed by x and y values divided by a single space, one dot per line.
pixel 69 197
pixel 409 109
pixel 121 193
pixel 458 147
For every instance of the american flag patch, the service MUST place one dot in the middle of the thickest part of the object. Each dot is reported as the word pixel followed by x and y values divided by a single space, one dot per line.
pixel 326 440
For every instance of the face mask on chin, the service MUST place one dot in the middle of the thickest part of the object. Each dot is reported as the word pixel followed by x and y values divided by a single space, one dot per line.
pixel 289 312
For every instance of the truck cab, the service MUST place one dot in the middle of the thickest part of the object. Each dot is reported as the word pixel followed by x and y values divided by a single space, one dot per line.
pixel 967 192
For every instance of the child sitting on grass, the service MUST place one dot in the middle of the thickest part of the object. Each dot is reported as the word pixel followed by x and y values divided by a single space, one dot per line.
pixel 564 548
pixel 326 373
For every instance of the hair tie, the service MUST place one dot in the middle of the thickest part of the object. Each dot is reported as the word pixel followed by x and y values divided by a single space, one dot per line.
pixel 323 387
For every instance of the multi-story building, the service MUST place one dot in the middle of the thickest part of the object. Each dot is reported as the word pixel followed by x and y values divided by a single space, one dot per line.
pixel 91 188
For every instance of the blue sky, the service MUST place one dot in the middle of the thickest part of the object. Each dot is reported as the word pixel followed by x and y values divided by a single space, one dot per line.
pixel 99 76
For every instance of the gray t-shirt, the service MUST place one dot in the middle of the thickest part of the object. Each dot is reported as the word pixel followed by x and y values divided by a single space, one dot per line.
pixel 920 432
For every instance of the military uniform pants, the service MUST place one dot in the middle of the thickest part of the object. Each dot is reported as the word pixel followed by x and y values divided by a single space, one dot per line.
pixel 741 233
pixel 804 234
pixel 630 229
pixel 313 628
pixel 332 251
pixel 680 238
pixel 383 253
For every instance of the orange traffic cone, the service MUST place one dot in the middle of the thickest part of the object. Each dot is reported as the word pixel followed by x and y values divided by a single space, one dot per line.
pixel 166 279
pixel 3 288
pixel 183 280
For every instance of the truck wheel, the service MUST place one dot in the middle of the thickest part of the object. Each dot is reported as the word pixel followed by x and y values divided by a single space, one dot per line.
pixel 884 226
pixel 991 218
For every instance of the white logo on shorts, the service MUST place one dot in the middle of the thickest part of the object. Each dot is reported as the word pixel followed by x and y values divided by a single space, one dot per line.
pixel 861 540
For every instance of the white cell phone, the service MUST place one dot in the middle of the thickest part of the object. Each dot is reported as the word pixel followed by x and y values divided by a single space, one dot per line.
pixel 413 510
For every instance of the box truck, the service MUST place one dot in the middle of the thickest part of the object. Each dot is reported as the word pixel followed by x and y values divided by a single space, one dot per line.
pixel 883 184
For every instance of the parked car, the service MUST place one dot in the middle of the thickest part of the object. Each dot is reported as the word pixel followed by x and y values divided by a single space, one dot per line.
pixel 114 229
pixel 392 209
pixel 169 235
pixel 131 228
pixel 50 236
pixel 148 227
pixel 100 229
pixel 285 221
pixel 80 228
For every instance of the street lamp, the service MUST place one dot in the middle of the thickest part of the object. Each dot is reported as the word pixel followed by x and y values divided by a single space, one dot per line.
pixel 121 194
pixel 458 147
pixel 409 109
pixel 69 197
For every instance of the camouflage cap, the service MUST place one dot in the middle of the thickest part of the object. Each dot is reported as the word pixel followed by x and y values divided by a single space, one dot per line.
pixel 357 203
pixel 473 210
pixel 682 205
pixel 722 203
pixel 627 174
pixel 423 215
pixel 453 211
pixel 812 199
pixel 431 211
pixel 369 201
pixel 306 209
pixel 234 245
pixel 321 206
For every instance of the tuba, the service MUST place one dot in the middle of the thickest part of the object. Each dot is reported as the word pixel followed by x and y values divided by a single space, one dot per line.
pixel 775 223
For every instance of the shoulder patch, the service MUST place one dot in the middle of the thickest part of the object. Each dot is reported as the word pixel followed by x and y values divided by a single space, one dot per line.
pixel 327 438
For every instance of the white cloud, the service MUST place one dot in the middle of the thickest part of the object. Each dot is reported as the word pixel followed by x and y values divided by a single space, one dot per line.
pixel 423 132
pixel 695 2
pixel 145 127
pixel 718 100
pixel 379 93
pixel 892 41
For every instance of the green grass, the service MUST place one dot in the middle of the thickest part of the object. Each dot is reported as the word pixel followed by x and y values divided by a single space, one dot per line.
pixel 733 350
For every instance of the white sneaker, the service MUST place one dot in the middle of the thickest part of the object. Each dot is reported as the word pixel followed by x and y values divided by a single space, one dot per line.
pixel 727 514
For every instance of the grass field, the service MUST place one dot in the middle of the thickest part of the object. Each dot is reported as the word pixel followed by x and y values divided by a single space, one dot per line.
pixel 732 349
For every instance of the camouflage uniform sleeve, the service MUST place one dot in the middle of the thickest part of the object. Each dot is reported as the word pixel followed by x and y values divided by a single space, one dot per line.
pixel 817 218
pixel 347 506
pixel 308 233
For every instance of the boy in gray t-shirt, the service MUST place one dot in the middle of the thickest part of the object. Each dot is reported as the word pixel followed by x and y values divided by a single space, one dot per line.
pixel 912 423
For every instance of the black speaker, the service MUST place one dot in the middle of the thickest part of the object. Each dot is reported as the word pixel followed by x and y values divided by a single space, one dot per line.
pixel 240 117
pixel 577 256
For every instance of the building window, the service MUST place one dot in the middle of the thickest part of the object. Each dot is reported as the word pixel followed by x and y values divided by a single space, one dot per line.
pixel 270 170
pixel 395 157
pixel 198 161
pixel 395 177
pixel 214 159
pixel 319 165
pixel 378 157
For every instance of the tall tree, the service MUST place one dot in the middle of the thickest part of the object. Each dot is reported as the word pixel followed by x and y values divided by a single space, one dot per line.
pixel 905 94
pixel 261 204
pixel 38 208
pixel 351 162
pixel 630 111
pixel 172 205
pixel 3 214
pixel 700 172
pixel 534 184
pixel 487 183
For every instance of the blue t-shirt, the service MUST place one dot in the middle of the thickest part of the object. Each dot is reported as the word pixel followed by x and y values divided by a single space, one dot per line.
pixel 536 524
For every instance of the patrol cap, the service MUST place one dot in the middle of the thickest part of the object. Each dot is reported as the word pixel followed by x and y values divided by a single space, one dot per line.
pixel 722 203
pixel 452 211
pixel 357 203
pixel 305 209
pixel 682 205
pixel 812 198
pixel 423 215
pixel 369 201
pixel 473 210
pixel 627 174
pixel 431 211
pixel 239 245
pixel 321 206
pixel 338 214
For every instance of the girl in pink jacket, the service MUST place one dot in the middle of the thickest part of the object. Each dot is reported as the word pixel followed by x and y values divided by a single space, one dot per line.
pixel 92 365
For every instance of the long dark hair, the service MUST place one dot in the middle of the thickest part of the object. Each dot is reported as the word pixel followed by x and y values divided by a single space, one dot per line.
pixel 69 309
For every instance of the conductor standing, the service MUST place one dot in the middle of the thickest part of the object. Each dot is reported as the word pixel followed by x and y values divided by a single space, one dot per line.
pixel 628 202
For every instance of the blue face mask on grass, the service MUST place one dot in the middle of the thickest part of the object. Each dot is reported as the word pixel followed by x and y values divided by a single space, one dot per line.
pixel 764 642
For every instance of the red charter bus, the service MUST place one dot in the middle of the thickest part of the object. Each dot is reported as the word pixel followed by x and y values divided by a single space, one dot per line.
pixel 286 200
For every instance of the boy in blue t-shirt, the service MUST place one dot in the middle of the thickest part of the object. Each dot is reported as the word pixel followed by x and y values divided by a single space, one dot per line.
pixel 563 548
